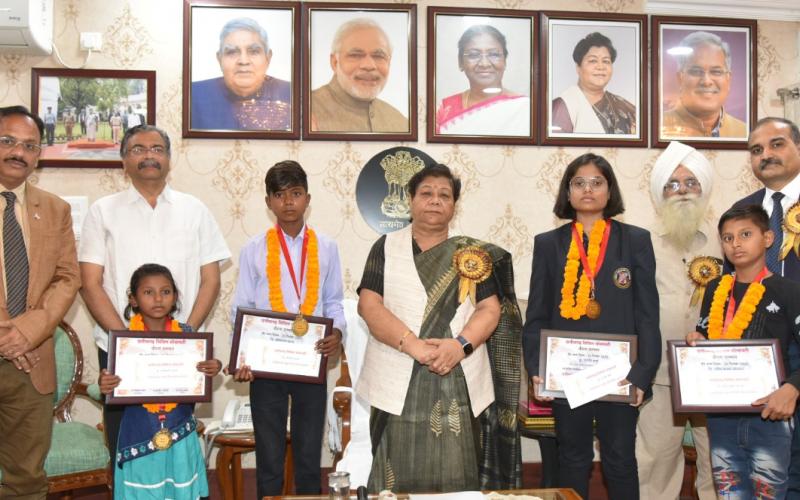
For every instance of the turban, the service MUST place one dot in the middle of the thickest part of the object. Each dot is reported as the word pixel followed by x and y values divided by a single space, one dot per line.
pixel 676 154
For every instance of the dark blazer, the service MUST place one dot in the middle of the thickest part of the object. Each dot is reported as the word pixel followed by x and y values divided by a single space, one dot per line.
pixel 53 279
pixel 791 264
pixel 631 310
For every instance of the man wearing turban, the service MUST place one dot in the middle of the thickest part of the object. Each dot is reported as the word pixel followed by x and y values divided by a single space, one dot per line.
pixel 687 252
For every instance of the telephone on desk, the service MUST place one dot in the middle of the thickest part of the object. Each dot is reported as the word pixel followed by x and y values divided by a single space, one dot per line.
pixel 237 419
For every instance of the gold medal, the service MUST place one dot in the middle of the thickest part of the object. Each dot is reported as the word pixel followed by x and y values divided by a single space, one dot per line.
pixel 593 309
pixel 162 439
pixel 300 326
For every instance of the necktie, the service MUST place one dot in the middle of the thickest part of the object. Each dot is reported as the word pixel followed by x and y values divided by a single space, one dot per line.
pixel 775 221
pixel 15 259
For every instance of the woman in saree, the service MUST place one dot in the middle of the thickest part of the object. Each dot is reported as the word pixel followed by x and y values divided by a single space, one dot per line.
pixel 587 107
pixel 442 362
pixel 485 108
pixel 595 274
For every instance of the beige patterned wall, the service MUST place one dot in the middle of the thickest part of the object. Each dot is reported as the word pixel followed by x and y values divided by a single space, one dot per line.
pixel 508 191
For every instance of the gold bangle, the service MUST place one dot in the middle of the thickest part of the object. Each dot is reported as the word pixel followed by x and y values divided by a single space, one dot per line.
pixel 403 339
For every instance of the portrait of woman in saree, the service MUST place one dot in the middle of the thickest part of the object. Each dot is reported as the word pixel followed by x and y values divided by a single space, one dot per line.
pixel 483 78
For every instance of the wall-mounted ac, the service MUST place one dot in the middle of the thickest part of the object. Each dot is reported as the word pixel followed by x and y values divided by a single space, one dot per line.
pixel 26 26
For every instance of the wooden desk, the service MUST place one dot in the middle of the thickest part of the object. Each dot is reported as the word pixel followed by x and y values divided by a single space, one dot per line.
pixel 229 464
pixel 546 494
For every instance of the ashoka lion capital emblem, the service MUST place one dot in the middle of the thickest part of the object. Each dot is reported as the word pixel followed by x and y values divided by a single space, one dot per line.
pixel 398 170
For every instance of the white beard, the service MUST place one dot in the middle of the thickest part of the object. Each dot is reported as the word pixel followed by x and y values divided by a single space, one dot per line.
pixel 681 217
pixel 364 94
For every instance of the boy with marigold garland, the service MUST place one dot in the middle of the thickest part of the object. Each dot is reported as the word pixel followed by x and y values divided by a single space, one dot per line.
pixel 289 268
pixel 750 452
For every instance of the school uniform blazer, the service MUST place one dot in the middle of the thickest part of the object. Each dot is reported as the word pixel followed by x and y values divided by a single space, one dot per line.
pixel 53 279
pixel 791 264
pixel 627 307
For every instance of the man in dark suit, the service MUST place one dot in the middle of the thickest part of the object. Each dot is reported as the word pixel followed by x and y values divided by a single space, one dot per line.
pixel 38 281
pixel 774 146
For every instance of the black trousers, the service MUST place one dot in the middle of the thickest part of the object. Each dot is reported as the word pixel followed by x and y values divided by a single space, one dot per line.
pixel 616 430
pixel 270 406
pixel 112 416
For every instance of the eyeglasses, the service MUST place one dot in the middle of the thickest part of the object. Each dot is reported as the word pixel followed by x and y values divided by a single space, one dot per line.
pixel 691 184
pixel 141 150
pixel 474 56
pixel 8 142
pixel 698 72
pixel 593 183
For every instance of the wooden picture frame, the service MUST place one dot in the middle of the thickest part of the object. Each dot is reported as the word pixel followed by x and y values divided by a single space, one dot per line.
pixel 233 88
pixel 86 113
pixel 711 83
pixel 367 89
pixel 270 335
pixel 602 99
pixel 498 105
pixel 146 346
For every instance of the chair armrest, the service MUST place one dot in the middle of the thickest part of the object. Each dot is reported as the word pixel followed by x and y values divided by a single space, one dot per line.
pixel 89 390
pixel 342 400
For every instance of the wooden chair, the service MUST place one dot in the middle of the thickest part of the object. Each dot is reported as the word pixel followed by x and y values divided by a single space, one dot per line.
pixel 78 456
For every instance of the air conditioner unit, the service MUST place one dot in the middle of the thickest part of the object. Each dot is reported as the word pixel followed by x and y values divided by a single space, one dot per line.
pixel 26 26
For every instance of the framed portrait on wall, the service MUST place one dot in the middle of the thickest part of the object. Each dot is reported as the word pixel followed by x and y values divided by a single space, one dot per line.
pixel 241 75
pixel 481 75
pixel 704 81
pixel 87 111
pixel 360 71
pixel 594 78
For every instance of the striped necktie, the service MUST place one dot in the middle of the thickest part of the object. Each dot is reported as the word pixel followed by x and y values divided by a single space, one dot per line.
pixel 775 224
pixel 15 259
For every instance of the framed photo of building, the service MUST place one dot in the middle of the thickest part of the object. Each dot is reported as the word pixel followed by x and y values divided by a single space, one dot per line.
pixel 87 111
pixel 704 81
pixel 481 75
pixel 360 74
pixel 241 75
pixel 594 76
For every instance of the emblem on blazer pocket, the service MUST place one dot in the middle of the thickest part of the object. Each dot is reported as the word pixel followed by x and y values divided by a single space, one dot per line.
pixel 622 277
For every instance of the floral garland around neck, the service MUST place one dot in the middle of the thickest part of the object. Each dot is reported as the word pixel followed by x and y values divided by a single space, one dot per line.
pixel 744 313
pixel 274 273
pixel 573 305
pixel 137 325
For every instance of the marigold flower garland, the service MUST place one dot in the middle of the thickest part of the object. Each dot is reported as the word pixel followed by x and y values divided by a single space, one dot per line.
pixel 137 325
pixel 573 306
pixel 744 313
pixel 274 273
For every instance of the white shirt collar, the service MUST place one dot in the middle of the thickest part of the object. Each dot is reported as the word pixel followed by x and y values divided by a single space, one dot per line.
pixel 133 195
pixel 791 191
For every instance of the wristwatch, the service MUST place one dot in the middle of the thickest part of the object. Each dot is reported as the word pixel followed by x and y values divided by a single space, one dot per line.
pixel 466 345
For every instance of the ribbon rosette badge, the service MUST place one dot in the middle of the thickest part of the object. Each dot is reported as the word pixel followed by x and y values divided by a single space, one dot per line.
pixel 703 270
pixel 474 266
pixel 791 231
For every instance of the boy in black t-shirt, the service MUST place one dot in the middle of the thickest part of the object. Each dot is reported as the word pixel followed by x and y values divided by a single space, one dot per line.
pixel 750 452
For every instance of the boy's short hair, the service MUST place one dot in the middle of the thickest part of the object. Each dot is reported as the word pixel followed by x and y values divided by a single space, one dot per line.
pixel 285 174
pixel 754 213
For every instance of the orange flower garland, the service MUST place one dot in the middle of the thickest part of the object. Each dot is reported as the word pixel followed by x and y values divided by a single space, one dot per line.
pixel 137 325
pixel 573 306
pixel 274 273
pixel 744 313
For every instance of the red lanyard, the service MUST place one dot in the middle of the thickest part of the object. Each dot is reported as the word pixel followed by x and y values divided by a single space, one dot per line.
pixel 288 258
pixel 731 309
pixel 590 274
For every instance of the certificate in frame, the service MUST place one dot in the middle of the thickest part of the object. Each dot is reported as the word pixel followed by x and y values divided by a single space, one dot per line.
pixel 264 340
pixel 554 344
pixel 685 365
pixel 148 349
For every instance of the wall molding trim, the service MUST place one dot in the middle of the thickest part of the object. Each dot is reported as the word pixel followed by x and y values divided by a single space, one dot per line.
pixel 778 10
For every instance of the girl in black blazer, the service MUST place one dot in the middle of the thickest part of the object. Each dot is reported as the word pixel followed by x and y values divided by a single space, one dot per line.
pixel 625 289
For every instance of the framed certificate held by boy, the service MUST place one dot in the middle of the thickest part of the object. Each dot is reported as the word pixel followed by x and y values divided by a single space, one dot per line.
pixel 159 367
pixel 723 376
pixel 280 345
pixel 583 366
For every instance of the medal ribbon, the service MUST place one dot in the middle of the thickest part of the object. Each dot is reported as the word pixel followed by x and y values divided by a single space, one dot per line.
pixel 730 311
pixel 591 273
pixel 303 255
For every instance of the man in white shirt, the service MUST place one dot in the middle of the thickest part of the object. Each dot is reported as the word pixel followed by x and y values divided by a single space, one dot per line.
pixel 147 223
